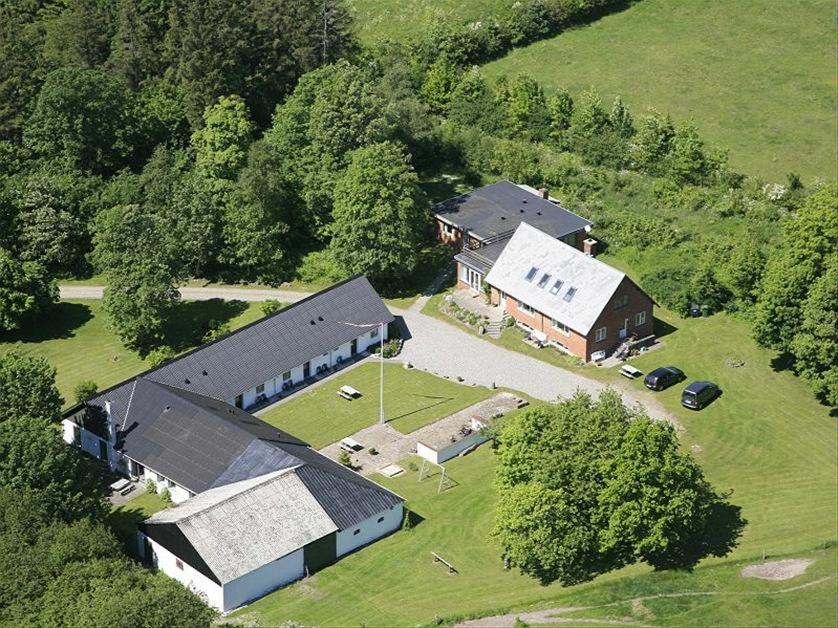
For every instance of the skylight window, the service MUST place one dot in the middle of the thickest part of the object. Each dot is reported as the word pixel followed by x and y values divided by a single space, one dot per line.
pixel 569 294
pixel 543 281
pixel 556 286
pixel 531 275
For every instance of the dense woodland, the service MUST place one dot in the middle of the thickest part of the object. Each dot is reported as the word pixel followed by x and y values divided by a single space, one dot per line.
pixel 149 142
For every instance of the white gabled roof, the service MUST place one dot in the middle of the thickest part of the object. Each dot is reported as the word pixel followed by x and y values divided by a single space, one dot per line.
pixel 242 526
pixel 529 248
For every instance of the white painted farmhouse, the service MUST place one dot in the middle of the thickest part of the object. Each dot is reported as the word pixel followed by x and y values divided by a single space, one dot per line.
pixel 257 507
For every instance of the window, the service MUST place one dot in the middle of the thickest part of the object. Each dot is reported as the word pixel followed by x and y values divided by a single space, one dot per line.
pixel 374 333
pixel 381 520
pixel 556 286
pixel 179 563
pixel 531 275
pixel 543 281
pixel 640 318
pixel 525 308
pixel 160 478
pixel 621 301
pixel 561 327
pixel 569 294
pixel 448 229
pixel 357 532
pixel 260 389
pixel 600 334
pixel 286 376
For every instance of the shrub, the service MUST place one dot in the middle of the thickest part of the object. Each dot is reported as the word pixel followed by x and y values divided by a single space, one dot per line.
pixel 157 356
pixel 271 306
pixel 344 459
pixel 166 496
pixel 84 390
pixel 320 266
pixel 150 486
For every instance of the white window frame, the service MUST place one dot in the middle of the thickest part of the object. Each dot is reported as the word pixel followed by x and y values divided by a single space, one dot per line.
pixel 286 376
pixel 447 229
pixel 260 389
pixel 640 318
pixel 374 332
pixel 526 309
pixel 600 334
pixel 560 327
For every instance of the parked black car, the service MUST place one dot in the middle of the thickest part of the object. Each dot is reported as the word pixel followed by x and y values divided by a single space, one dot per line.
pixel 699 394
pixel 663 377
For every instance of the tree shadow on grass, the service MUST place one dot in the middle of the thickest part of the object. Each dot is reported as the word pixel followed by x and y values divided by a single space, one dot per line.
pixel 662 328
pixel 60 321
pixel 782 362
pixel 123 521
pixel 189 321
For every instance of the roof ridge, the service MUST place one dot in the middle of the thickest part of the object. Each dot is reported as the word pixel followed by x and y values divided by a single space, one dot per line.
pixel 201 347
pixel 572 249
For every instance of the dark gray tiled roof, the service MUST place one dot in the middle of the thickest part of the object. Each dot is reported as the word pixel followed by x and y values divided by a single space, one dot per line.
pixel 499 208
pixel 265 349
pixel 484 258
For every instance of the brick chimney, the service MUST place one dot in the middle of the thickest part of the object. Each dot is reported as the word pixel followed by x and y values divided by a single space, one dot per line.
pixel 545 193
pixel 589 247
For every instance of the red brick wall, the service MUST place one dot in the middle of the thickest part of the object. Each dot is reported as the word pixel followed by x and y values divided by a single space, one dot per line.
pixel 610 318
pixel 613 320
pixel 455 239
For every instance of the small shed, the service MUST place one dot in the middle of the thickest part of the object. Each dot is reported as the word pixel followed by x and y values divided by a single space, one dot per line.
pixel 440 448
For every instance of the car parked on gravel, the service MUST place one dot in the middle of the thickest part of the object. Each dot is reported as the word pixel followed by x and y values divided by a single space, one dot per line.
pixel 663 377
pixel 698 394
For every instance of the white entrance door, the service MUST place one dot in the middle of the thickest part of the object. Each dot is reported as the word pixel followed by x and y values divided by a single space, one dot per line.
pixel 502 300
pixel 474 280
pixel 625 329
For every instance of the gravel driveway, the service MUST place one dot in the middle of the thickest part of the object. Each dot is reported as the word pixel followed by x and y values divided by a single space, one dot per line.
pixel 443 349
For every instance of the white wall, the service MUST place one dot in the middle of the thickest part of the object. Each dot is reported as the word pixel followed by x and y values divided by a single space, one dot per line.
pixel 263 580
pixel 178 493
pixel 365 340
pixel 166 562
pixel 369 530
pixel 89 440
pixel 426 452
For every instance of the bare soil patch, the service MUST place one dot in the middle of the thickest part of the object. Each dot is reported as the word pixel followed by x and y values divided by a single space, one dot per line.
pixel 778 569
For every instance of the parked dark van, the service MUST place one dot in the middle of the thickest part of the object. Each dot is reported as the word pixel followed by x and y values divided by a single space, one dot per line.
pixel 699 394
pixel 663 377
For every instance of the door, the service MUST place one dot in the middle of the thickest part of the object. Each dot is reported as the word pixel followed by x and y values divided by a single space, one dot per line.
pixel 502 300
pixel 306 370
pixel 240 401
pixel 624 330
pixel 353 346
pixel 103 450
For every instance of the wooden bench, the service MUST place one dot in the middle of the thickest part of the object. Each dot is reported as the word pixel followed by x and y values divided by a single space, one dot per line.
pixel 629 371
pixel 348 393
pixel 440 559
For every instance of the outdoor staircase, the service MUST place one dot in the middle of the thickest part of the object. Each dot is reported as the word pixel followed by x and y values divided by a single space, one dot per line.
pixel 494 329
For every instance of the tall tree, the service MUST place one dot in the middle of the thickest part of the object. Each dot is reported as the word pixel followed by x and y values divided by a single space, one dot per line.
pixel 380 217
pixel 33 458
pixel 440 81
pixel 473 104
pixel 140 274
pixel 27 388
pixel 82 116
pixel 560 106
pixel 527 115
pixel 221 144
pixel 25 290
pixel 588 486
pixel 652 143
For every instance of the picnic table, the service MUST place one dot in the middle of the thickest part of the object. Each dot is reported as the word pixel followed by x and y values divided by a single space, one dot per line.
pixel 351 445
pixel 348 393
pixel 629 371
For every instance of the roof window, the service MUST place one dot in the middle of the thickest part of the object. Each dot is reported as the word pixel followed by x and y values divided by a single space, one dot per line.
pixel 569 294
pixel 543 281
pixel 556 286
pixel 531 275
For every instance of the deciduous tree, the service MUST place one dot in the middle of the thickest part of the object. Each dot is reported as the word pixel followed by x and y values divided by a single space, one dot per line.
pixel 27 388
pixel 25 290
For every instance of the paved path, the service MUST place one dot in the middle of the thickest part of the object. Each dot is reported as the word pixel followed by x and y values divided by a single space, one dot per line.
pixel 197 293
pixel 440 348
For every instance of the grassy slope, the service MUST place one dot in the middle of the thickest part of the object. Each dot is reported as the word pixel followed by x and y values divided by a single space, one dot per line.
pixel 76 341
pixel 380 19
pixel 411 399
pixel 760 78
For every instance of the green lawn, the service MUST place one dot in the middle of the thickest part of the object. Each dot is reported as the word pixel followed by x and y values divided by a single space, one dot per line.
pixel 402 21
pixel 760 78
pixel 123 519
pixel 76 341
pixel 412 399
pixel 395 582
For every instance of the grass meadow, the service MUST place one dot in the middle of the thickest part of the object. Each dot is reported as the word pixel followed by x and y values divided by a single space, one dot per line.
pixel 759 78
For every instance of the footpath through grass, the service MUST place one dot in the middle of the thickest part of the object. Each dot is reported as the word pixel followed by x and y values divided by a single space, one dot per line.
pixel 760 78
pixel 75 339
pixel 412 399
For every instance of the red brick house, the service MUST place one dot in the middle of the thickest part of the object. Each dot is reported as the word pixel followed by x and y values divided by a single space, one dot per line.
pixel 564 296
pixel 480 222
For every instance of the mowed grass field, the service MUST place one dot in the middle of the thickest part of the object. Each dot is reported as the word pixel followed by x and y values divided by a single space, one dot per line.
pixel 412 399
pixel 759 78
pixel 766 440
pixel 75 339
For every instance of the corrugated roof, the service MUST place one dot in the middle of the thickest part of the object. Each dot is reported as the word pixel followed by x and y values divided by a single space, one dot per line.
pixel 266 348
pixel 532 255
pixel 498 209
pixel 240 527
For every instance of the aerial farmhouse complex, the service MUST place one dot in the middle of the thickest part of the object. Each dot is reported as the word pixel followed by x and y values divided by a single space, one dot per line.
pixel 535 261
pixel 257 507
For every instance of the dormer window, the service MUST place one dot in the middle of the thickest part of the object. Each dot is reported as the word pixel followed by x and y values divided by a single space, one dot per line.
pixel 570 294
pixel 543 281
pixel 531 275
pixel 556 286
